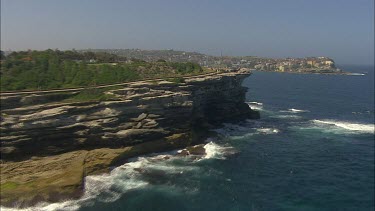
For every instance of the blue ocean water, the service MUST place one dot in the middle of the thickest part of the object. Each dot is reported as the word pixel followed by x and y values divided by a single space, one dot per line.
pixel 312 149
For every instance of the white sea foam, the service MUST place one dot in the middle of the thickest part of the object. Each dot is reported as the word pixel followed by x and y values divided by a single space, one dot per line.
pixel 109 187
pixel 215 151
pixel 358 74
pixel 99 187
pixel 257 108
pixel 357 127
pixel 267 131
pixel 255 105
pixel 294 110
pixel 251 128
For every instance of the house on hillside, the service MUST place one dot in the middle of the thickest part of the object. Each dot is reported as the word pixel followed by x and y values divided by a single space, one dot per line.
pixel 328 62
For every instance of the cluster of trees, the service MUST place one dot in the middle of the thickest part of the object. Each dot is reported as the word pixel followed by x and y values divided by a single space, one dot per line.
pixel 2 55
pixel 53 69
pixel 101 57
pixel 186 67
pixel 59 69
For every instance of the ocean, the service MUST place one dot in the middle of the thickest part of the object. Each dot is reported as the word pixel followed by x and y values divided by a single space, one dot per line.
pixel 312 149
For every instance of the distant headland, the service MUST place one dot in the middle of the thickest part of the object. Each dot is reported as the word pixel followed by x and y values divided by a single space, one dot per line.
pixel 307 65
pixel 321 64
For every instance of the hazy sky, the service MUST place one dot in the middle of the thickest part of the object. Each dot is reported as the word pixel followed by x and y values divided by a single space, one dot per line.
pixel 341 29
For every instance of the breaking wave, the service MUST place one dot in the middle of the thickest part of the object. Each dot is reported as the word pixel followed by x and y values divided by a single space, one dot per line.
pixel 255 105
pixel 267 131
pixel 294 110
pixel 216 151
pixel 356 74
pixel 364 128
pixel 140 172
pixel 104 188
pixel 236 132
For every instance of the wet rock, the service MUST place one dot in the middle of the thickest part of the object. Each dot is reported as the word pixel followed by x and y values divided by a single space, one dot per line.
pixel 149 123
pixel 183 152
pixel 141 117
pixel 196 150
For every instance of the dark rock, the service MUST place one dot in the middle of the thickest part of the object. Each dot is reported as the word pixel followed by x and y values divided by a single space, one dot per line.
pixel 141 117
pixel 183 152
pixel 196 150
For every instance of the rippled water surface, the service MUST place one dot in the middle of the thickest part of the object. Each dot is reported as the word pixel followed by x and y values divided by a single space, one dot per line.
pixel 313 149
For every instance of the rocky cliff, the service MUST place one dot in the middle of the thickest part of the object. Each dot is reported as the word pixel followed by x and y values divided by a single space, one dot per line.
pixel 48 146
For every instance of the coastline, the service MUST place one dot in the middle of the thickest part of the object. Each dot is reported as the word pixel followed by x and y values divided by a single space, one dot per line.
pixel 316 73
pixel 91 138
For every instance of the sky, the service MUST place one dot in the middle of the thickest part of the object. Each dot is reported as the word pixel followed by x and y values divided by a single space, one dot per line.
pixel 340 29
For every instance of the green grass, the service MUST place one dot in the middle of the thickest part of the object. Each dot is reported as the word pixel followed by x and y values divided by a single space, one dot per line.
pixel 91 95
pixel 178 80
pixel 9 186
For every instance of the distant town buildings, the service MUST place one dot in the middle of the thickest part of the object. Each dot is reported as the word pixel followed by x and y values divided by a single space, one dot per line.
pixel 309 64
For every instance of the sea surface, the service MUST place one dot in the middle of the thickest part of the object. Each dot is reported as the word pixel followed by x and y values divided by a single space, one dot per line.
pixel 312 149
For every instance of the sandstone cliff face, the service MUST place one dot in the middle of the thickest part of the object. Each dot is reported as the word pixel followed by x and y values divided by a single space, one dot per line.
pixel 38 131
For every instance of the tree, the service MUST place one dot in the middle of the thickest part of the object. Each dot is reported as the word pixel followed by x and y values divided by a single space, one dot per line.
pixel 51 69
pixel 2 55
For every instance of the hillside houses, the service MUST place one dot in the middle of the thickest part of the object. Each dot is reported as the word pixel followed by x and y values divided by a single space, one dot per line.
pixel 308 64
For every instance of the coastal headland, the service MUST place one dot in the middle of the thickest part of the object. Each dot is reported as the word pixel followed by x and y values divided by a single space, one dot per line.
pixel 314 65
pixel 68 114
pixel 49 145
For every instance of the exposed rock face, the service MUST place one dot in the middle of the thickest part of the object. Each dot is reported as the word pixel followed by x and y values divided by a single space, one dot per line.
pixel 38 132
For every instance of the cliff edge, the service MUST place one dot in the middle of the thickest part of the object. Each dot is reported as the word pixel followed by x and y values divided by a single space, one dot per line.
pixel 48 146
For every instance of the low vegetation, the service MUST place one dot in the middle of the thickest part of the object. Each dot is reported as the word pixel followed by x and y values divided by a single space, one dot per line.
pixel 90 94
pixel 54 69
pixel 176 80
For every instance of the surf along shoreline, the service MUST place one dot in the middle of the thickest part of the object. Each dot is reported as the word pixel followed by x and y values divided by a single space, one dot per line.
pixel 41 163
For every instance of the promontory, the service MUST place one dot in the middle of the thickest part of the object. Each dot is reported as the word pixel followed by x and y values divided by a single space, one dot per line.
pixel 51 139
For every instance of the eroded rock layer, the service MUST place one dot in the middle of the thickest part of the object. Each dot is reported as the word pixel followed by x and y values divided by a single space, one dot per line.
pixel 39 132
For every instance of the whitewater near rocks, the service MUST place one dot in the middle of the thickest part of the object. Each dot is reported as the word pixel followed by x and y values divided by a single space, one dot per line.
pixel 91 137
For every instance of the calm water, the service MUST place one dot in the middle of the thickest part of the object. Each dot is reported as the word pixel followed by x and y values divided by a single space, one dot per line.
pixel 313 149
